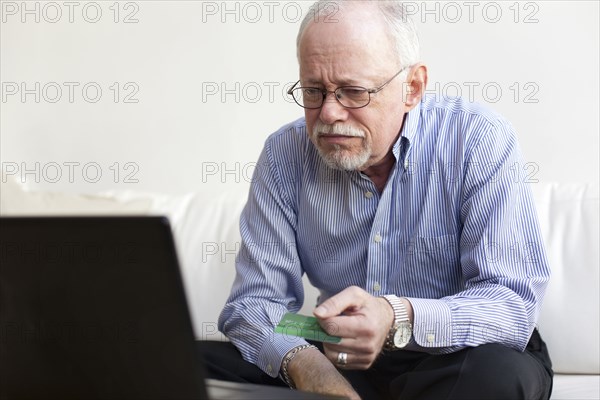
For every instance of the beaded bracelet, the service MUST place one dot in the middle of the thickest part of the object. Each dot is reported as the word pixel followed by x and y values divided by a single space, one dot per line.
pixel 286 360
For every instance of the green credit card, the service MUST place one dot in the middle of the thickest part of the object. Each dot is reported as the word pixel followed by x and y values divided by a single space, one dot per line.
pixel 304 326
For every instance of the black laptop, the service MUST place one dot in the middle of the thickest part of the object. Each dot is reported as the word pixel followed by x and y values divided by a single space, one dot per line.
pixel 94 308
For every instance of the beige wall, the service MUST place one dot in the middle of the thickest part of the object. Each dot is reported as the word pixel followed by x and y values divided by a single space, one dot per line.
pixel 189 90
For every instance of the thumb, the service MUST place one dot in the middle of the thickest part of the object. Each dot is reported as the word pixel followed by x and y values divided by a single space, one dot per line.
pixel 322 311
pixel 349 298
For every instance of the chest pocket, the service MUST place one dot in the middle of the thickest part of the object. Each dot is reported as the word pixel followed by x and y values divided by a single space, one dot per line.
pixel 431 266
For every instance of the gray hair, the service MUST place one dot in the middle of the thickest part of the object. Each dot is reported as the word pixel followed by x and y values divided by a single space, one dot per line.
pixel 397 21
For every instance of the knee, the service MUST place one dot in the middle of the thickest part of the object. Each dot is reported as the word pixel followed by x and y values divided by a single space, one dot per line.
pixel 494 371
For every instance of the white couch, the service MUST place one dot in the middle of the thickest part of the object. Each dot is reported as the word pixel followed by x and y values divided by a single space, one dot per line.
pixel 207 237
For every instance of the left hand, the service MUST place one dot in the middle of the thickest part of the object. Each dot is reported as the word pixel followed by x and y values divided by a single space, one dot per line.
pixel 362 320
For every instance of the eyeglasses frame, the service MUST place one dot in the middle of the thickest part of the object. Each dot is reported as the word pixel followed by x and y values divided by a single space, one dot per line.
pixel 325 92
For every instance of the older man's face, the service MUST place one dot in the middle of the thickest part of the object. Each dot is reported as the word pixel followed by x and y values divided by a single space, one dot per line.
pixel 355 51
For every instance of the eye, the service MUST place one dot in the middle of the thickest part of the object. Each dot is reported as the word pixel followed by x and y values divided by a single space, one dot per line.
pixel 311 92
pixel 353 92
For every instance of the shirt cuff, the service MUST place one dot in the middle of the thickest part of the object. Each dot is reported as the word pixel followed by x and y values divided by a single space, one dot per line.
pixel 432 324
pixel 274 349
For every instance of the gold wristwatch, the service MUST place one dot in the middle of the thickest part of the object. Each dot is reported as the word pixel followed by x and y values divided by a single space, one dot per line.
pixel 401 330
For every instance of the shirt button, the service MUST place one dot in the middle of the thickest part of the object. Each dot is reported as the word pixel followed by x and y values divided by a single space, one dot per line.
pixel 376 287
pixel 430 338
pixel 377 238
pixel 269 368
pixel 368 195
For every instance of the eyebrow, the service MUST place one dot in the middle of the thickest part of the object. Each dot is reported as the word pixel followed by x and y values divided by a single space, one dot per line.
pixel 345 82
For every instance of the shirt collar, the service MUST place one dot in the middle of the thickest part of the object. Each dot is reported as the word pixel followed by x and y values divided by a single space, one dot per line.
pixel 409 130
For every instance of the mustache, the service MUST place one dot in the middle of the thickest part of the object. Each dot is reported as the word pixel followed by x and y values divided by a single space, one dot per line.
pixel 336 129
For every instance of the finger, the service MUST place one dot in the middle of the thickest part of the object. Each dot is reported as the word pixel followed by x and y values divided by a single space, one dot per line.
pixel 338 358
pixel 348 299
pixel 352 360
pixel 346 326
pixel 336 326
pixel 354 346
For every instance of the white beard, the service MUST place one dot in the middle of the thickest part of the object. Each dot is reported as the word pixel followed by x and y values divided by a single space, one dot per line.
pixel 339 158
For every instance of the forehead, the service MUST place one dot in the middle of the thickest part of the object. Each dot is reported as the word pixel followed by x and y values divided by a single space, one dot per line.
pixel 353 48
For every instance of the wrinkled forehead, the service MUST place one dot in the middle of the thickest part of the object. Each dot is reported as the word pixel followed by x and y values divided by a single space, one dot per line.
pixel 355 41
pixel 354 21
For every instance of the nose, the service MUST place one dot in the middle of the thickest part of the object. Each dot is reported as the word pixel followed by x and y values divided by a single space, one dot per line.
pixel 332 111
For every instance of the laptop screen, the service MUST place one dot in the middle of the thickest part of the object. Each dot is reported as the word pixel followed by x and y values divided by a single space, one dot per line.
pixel 94 307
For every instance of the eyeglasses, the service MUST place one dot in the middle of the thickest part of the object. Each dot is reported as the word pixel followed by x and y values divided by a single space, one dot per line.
pixel 347 96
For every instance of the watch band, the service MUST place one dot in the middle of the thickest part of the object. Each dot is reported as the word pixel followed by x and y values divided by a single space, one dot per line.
pixel 400 312
pixel 400 316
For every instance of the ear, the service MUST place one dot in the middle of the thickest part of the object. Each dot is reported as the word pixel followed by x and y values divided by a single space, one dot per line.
pixel 415 85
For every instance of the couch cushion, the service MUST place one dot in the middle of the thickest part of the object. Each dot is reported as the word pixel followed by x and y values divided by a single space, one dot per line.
pixel 207 234
pixel 576 387
pixel 15 199
pixel 569 321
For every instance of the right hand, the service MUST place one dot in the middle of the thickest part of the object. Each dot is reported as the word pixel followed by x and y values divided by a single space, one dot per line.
pixel 311 371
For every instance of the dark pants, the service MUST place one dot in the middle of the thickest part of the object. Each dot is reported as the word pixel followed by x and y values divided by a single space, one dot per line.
pixel 489 371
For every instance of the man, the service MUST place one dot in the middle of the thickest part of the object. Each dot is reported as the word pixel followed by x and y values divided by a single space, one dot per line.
pixel 404 212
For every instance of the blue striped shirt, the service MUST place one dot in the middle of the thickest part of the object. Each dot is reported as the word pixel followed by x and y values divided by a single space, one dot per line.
pixel 454 231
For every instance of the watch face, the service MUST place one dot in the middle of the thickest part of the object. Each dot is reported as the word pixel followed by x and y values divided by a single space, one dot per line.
pixel 403 334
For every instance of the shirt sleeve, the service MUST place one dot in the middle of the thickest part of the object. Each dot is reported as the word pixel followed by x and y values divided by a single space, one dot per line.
pixel 502 256
pixel 269 274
